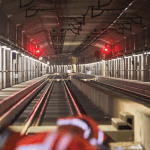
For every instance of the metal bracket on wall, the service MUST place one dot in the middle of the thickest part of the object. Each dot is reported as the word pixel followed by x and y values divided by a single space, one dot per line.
pixel 79 22
pixel 136 20
pixel 76 26
pixel 26 5
pixel 126 25
pixel 119 30
pixel 74 31
pixel 99 5
pixel 35 11
pixel 101 11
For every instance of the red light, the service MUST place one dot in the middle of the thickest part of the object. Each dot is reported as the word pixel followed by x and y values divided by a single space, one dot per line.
pixel 106 52
pixel 106 49
pixel 38 51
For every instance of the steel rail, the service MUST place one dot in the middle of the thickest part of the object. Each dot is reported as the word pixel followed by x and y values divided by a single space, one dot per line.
pixel 68 101
pixel 44 105
pixel 72 99
pixel 11 112
pixel 123 90
pixel 35 111
pixel 67 98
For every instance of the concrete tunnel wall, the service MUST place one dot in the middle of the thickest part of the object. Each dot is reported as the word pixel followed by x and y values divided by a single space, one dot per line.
pixel 114 105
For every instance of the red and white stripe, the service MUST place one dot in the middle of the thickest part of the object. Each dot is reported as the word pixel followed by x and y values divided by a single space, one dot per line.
pixel 45 145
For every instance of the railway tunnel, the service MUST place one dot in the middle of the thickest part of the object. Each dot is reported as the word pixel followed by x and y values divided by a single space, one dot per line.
pixel 71 57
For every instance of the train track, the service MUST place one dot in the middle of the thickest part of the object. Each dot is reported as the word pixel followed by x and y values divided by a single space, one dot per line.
pixel 135 96
pixel 57 98
pixel 53 101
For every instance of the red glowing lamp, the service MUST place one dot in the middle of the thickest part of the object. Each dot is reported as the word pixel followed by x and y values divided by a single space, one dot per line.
pixel 38 51
pixel 106 49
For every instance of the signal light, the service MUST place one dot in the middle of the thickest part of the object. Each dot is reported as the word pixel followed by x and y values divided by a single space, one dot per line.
pixel 106 49
pixel 38 51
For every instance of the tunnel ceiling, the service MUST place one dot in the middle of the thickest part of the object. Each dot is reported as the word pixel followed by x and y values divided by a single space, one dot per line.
pixel 76 27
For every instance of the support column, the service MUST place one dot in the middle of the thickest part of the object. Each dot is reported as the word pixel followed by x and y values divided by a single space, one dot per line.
pixel 126 68
pixel 62 69
pixel 98 68
pixel 11 69
pixel 122 68
pixel 52 69
pixel 42 69
pixel 132 68
pixel 145 67
pixel 65 68
pixel 59 69
pixel 97 65
pixel 129 66
pixel 95 68
pixel 22 68
pixel 135 67
pixel 104 68
pixel 0 67
pixel 118 68
pixel 3 68
pixel 139 67
pixel 101 68
pixel 38 68
pixel 148 68
pixel 8 69
pixel 81 68
pixel 78 65
pixel 19 69
pixel 142 67
pixel 116 71
pixel 25 69
pixel 45 69
pixel 33 68
pixel 29 68
pixel 112 68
